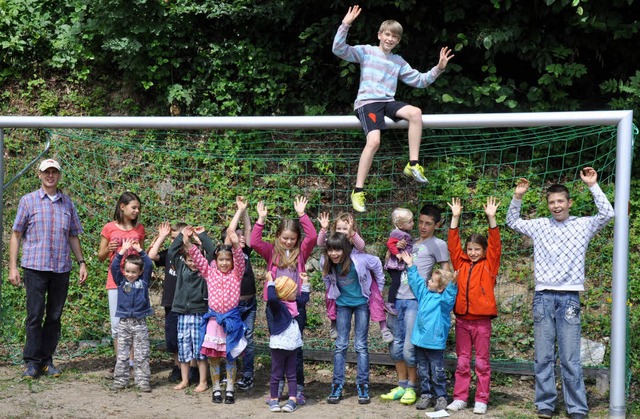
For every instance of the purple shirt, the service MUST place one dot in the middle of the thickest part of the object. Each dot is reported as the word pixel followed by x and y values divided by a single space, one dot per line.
pixel 46 226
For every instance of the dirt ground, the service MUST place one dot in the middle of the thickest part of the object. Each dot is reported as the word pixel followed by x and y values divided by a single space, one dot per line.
pixel 83 391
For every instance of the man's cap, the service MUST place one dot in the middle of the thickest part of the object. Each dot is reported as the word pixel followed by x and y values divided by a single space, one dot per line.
pixel 49 163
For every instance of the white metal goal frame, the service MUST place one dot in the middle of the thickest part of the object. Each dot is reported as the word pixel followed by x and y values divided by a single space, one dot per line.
pixel 622 119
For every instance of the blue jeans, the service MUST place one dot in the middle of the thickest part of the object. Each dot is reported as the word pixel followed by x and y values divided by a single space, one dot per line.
pixel 46 294
pixel 401 349
pixel 248 314
pixel 556 316
pixel 433 380
pixel 343 325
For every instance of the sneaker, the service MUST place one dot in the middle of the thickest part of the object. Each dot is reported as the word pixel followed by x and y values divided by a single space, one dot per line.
pixel 424 402
pixel 49 370
pixel 441 404
pixel 31 372
pixel 175 375
pixel 394 394
pixel 480 408
pixel 409 397
pixel 245 383
pixel 333 332
pixel 363 393
pixel 416 172
pixel 336 394
pixel 290 406
pixel 300 399
pixel 144 387
pixel 274 406
pixel 387 336
pixel 545 414
pixel 457 405
pixel 357 201
pixel 390 308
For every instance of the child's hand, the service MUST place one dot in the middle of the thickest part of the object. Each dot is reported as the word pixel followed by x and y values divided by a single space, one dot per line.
pixel 351 15
pixel 164 229
pixel 456 207
pixel 589 176
pixel 262 210
pixel 304 277
pixel 233 238
pixel 406 257
pixel 445 55
pixel 241 203
pixel 401 244
pixel 113 245
pixel 199 229
pixel 299 204
pixel 454 280
pixel 187 236
pixel 521 187
pixel 194 236
pixel 268 277
pixel 323 218
pixel 127 244
pixel 491 206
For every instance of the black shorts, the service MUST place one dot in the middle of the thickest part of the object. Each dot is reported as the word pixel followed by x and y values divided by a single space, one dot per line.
pixel 372 115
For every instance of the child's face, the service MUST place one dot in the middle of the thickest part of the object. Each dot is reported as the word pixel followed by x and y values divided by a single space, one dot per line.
pixel 475 252
pixel 224 262
pixel 131 271
pixel 388 40
pixel 344 228
pixel 188 260
pixel 426 226
pixel 405 225
pixel 288 239
pixel 433 284
pixel 131 210
pixel 241 239
pixel 559 205
pixel 336 255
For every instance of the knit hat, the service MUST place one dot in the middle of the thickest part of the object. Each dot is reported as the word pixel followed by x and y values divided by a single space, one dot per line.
pixel 285 287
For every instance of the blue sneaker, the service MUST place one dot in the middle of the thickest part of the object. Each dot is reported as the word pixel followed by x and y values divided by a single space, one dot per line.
pixel 336 394
pixel 363 393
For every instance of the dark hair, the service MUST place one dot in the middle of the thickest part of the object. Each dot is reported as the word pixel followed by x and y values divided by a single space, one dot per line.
pixel 431 211
pixel 477 239
pixel 337 241
pixel 124 199
pixel 558 188
pixel 221 249
pixel 177 226
pixel 134 259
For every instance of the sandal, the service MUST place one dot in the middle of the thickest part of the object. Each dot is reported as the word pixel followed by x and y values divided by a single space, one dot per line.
pixel 229 398
pixel 216 397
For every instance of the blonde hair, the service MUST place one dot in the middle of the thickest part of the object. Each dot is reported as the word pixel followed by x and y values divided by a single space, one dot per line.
pixel 401 215
pixel 392 26
pixel 442 277
pixel 344 217
pixel 281 258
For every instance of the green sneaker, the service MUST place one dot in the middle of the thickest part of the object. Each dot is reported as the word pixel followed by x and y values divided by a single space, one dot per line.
pixel 409 397
pixel 394 394
pixel 357 201
pixel 416 172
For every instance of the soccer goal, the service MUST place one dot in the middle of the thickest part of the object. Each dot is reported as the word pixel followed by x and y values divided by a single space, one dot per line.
pixel 191 168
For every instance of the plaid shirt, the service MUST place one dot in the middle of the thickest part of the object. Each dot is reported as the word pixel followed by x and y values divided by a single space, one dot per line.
pixel 46 226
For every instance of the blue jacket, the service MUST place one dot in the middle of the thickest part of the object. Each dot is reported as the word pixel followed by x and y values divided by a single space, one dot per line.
pixel 133 297
pixel 433 321
pixel 232 325
pixel 281 317
pixel 368 268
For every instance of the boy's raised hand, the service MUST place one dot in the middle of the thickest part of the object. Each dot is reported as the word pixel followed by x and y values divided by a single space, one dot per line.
pixel 164 229
pixel 521 188
pixel 351 15
pixel 127 244
pixel 187 236
pixel 456 207
pixel 589 176
pixel 233 238
pixel 323 219
pixel 445 55
pixel 299 204
pixel 491 206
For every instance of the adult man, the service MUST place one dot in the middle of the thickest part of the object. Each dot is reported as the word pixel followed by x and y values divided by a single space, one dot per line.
pixel 47 225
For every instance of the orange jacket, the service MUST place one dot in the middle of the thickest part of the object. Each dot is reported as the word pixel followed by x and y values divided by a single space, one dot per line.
pixel 476 281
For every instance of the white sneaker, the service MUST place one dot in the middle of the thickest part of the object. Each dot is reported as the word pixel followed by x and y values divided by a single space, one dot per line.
pixel 458 405
pixel 479 408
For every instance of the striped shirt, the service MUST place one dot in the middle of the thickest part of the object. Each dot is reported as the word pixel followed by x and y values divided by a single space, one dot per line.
pixel 560 247
pixel 379 72
pixel 46 225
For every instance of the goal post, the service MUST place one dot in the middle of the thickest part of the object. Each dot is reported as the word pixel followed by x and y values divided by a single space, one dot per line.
pixel 624 149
